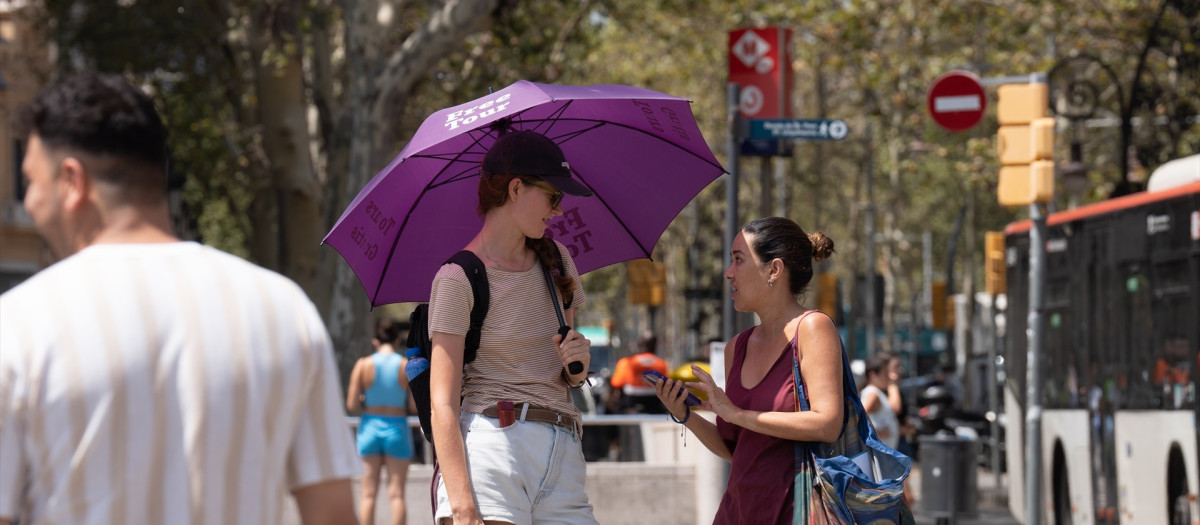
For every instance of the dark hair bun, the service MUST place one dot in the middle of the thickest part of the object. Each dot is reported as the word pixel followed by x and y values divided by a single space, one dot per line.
pixel 822 246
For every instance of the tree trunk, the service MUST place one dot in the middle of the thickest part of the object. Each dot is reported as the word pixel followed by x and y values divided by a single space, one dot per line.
pixel 348 314
pixel 818 163
pixel 376 83
pixel 891 266
pixel 293 196
pixel 334 140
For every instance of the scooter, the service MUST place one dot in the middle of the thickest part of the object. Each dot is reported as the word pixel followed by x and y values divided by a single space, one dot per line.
pixel 938 414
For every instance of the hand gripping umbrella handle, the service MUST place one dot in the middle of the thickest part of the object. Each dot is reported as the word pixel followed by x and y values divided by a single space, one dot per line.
pixel 574 367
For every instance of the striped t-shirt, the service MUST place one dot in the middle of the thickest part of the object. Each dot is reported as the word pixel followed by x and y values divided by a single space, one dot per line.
pixel 164 383
pixel 517 360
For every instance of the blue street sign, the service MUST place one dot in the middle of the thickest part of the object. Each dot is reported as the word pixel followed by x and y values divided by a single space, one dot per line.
pixel 798 129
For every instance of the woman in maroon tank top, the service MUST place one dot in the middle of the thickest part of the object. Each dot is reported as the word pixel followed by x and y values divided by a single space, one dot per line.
pixel 757 422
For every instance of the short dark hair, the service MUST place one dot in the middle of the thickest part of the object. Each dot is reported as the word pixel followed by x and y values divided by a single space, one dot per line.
pixel 781 238
pixel 878 363
pixel 100 114
pixel 387 331
pixel 648 343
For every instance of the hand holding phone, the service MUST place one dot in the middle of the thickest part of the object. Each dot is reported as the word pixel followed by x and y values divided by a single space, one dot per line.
pixel 654 376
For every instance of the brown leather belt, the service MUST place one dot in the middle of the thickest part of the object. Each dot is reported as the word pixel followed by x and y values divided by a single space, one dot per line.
pixel 542 415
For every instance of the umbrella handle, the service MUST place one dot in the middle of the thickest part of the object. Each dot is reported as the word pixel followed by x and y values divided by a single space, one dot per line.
pixel 574 367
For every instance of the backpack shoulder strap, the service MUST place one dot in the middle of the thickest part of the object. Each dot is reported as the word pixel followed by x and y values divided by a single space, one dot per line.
pixel 562 267
pixel 477 276
pixel 418 333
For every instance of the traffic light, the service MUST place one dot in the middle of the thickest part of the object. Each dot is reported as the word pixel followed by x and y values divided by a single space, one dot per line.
pixel 938 308
pixel 647 282
pixel 994 262
pixel 1025 144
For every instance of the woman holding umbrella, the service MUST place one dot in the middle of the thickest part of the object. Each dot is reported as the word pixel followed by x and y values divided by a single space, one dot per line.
pixel 493 469
pixel 757 420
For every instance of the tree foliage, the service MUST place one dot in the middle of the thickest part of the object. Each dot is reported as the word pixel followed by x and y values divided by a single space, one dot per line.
pixel 281 110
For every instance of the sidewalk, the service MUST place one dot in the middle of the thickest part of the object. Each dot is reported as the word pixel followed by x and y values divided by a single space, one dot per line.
pixel 992 502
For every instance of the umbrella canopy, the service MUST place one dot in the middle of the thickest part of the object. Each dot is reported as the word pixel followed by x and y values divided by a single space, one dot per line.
pixel 639 151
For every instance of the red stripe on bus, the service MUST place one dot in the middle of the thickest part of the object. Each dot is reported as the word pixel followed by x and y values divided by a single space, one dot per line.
pixel 1108 206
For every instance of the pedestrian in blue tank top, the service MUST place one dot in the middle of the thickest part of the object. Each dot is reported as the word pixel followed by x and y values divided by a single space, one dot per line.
pixel 379 388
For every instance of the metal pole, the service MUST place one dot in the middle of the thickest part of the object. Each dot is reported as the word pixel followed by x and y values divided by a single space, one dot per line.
pixel 781 186
pixel 927 274
pixel 926 298
pixel 733 95
pixel 767 178
pixel 694 270
pixel 1033 410
pixel 992 395
pixel 870 231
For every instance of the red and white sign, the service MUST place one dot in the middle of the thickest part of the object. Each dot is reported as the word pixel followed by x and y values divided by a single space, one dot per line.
pixel 957 101
pixel 759 62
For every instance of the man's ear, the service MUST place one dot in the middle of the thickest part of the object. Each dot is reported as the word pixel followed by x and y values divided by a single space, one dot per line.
pixel 76 182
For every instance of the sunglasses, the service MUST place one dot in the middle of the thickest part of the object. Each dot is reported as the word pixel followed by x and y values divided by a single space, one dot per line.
pixel 556 196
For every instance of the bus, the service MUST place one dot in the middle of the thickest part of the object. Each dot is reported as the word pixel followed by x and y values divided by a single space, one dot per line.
pixel 1121 333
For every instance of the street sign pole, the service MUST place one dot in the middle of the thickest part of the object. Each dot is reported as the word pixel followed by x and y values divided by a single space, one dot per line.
pixel 732 99
pixel 1033 372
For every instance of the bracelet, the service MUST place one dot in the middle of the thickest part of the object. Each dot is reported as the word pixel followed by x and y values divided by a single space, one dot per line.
pixel 685 418
pixel 567 379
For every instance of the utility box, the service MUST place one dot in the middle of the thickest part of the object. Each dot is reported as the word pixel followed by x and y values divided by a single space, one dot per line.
pixel 949 483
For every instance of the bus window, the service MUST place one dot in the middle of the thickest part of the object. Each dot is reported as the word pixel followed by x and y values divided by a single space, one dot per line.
pixel 1136 351
pixel 1173 374
pixel 1060 388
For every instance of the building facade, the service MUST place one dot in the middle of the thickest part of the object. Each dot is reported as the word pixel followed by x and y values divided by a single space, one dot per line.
pixel 25 63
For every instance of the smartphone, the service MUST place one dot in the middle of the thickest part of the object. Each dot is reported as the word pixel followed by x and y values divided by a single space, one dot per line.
pixel 655 376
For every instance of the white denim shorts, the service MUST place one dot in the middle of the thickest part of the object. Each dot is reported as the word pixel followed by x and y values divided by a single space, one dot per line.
pixel 526 473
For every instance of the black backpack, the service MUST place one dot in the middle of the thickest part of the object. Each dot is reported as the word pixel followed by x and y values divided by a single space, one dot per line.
pixel 418 333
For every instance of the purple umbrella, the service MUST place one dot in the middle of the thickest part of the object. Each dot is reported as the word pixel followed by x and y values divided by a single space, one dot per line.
pixel 639 151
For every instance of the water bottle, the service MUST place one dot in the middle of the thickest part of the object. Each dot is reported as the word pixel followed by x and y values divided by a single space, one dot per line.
pixel 417 371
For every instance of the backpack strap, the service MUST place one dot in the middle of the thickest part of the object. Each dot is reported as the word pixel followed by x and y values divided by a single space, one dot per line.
pixel 477 276
pixel 562 267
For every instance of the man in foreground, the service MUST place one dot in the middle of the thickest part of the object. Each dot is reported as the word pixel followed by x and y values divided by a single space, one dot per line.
pixel 144 379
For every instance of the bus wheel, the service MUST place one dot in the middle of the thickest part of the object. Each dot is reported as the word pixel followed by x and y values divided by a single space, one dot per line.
pixel 1062 489
pixel 1178 506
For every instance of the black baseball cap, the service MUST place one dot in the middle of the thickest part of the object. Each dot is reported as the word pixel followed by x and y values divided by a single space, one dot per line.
pixel 531 153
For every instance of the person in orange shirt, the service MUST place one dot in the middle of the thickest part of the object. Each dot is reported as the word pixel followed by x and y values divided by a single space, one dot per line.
pixel 630 391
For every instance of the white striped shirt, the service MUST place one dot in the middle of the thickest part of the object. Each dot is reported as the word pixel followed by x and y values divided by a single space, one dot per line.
pixel 517 360
pixel 164 383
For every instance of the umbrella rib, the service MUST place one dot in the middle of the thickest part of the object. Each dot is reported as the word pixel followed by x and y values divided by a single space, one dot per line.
pixel 387 263
pixel 396 241
pixel 462 175
pixel 477 135
pixel 552 118
pixel 602 123
pixel 614 214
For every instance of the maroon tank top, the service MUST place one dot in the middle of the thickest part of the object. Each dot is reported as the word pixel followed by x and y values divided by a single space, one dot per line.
pixel 761 472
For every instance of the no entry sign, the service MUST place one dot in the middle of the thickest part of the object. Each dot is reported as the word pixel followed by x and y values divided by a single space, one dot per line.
pixel 957 101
